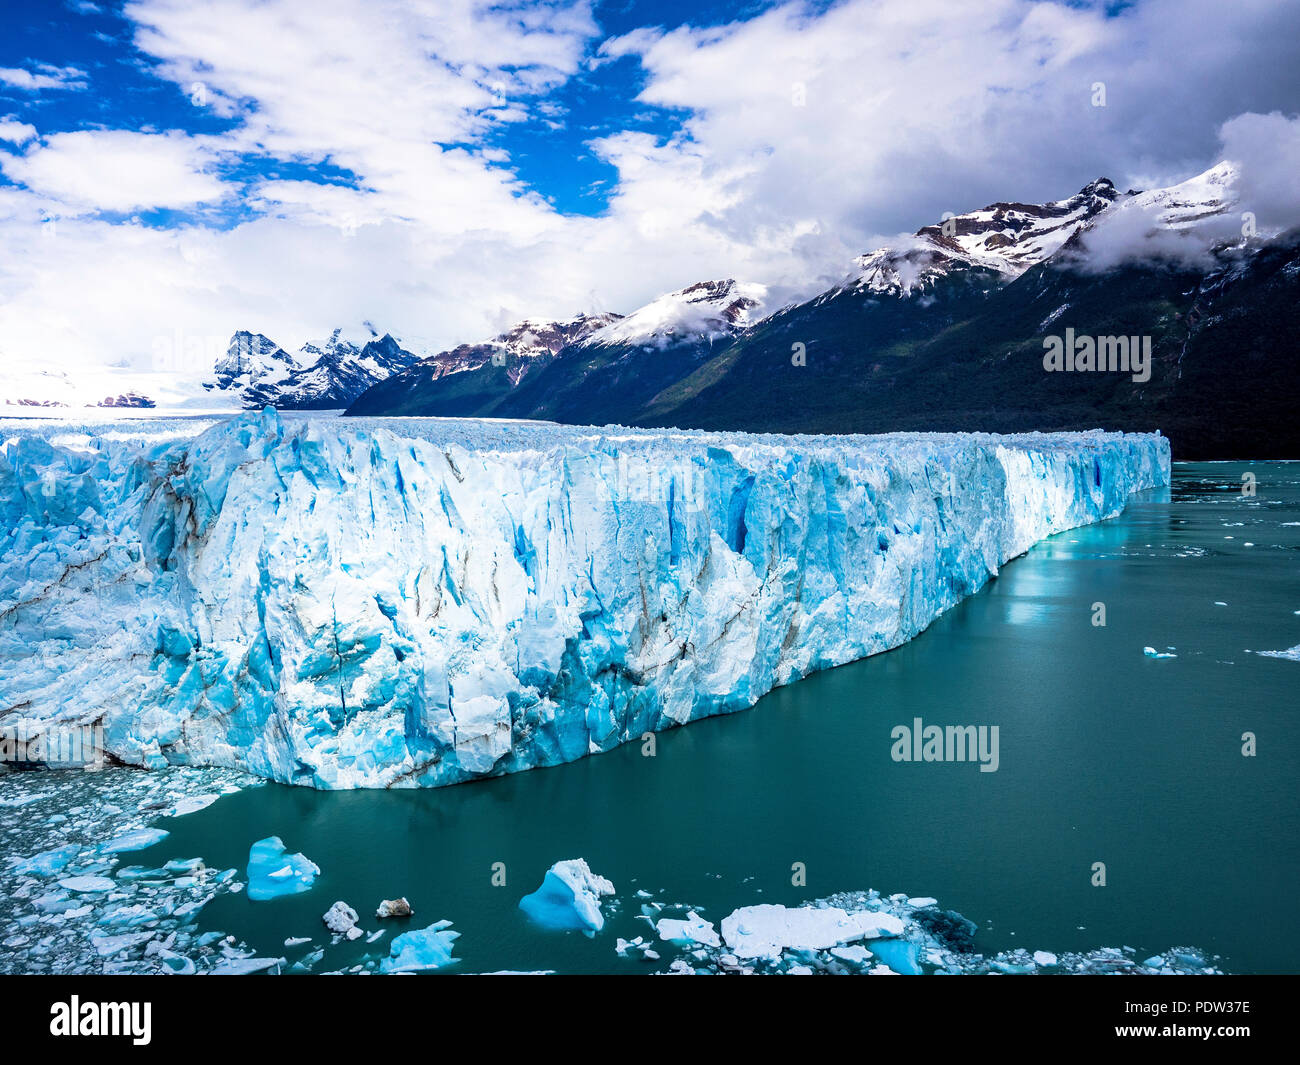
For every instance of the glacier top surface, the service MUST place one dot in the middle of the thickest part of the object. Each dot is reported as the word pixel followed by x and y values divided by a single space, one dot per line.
pixel 505 435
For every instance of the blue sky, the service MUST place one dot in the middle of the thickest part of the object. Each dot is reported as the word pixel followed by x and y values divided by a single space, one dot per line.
pixel 173 171
pixel 127 92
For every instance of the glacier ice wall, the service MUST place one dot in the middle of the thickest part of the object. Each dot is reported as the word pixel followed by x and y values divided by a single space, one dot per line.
pixel 416 603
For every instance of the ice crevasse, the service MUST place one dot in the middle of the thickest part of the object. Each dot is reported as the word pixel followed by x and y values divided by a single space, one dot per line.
pixel 397 603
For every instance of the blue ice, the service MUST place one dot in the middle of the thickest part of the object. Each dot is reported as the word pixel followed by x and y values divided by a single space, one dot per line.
pixel 273 872
pixel 425 948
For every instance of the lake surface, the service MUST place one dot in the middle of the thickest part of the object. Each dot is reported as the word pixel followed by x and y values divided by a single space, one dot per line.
pixel 1106 755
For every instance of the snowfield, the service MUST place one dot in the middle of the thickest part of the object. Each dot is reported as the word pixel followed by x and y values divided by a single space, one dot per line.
pixel 401 603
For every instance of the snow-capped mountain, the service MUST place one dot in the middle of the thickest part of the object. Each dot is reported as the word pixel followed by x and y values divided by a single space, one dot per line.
pixel 581 369
pixel 470 378
pixel 952 337
pixel 1186 204
pixel 252 361
pixel 519 347
pixel 1005 238
pixel 256 371
pixel 945 331
pixel 708 310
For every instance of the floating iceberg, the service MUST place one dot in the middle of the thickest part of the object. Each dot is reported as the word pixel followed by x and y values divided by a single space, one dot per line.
pixel 273 872
pixel 398 907
pixel 426 948
pixel 1292 653
pixel 135 840
pixel 87 883
pixel 569 898
pixel 693 930
pixel 865 932
pixel 767 930
pixel 341 919
pixel 407 603
pixel 47 863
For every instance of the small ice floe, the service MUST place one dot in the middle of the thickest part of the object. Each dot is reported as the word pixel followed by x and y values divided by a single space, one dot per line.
pixel 245 966
pixel 766 930
pixel 854 954
pixel 922 903
pixel 695 929
pixel 87 884
pixel 1291 653
pixel 341 919
pixel 635 948
pixel 569 898
pixel 426 948
pixel 376 936
pixel 48 863
pixel 136 840
pixel 1151 652
pixel 273 872
pixel 192 804
pixel 1044 958
pixel 394 908
pixel 297 941
pixel 1218 603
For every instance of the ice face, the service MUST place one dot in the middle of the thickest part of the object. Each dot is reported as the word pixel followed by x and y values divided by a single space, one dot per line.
pixel 569 898
pixel 407 602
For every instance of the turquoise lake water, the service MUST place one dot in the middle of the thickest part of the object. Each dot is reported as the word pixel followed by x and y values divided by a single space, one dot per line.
pixel 1106 755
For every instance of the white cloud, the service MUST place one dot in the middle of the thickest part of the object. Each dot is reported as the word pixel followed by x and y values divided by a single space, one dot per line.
pixel 44 77
pixel 116 170
pixel 14 132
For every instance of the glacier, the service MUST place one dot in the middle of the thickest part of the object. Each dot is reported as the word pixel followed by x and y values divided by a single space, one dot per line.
pixel 420 602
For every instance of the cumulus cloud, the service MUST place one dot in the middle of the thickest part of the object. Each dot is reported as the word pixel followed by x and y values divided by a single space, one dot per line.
pixel 15 132
pixel 117 170
pixel 43 76
pixel 1267 148
pixel 1251 194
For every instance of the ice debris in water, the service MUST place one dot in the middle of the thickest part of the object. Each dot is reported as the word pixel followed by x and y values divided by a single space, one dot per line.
pixel 135 840
pixel 193 804
pixel 1151 652
pixel 766 930
pixel 866 933
pixel 594 573
pixel 341 919
pixel 425 948
pixel 569 898
pixel 273 872
pixel 49 862
pixel 1291 653
pixel 394 908
pixel 69 905
pixel 694 929
pixel 87 883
